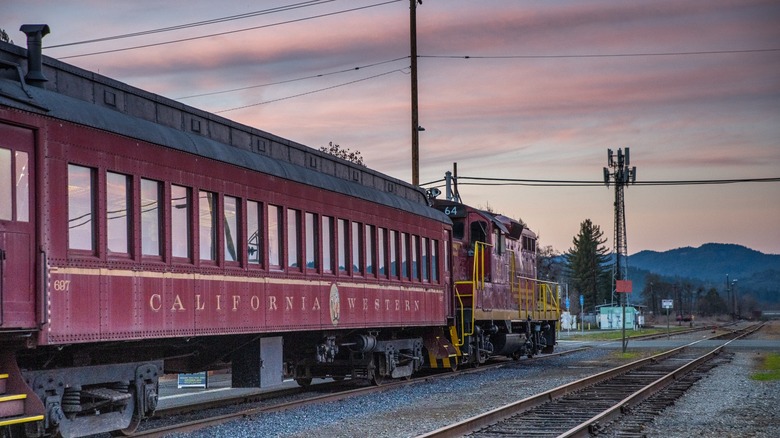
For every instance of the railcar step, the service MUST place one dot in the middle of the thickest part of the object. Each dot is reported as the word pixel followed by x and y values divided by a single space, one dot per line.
pixel 12 405
pixel 20 420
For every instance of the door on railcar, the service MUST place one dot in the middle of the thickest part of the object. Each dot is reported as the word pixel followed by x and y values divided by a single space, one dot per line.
pixel 17 228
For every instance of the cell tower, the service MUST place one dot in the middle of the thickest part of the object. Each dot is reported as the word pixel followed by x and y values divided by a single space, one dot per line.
pixel 619 172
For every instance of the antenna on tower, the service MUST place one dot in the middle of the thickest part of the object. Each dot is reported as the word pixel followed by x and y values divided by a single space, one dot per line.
pixel 622 175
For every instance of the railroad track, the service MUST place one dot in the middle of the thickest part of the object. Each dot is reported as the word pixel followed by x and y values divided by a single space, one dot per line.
pixel 207 419
pixel 586 407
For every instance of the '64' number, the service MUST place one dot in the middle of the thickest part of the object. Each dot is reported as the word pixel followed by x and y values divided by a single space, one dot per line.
pixel 451 211
pixel 61 285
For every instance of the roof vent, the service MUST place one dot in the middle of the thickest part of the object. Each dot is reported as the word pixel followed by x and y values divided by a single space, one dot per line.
pixel 35 34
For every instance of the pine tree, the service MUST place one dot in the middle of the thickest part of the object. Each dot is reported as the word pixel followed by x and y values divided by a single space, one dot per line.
pixel 587 264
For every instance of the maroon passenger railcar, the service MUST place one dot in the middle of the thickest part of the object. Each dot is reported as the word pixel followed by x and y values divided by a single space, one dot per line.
pixel 140 236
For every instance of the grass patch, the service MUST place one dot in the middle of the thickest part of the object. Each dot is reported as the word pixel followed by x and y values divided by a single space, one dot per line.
pixel 770 369
pixel 611 335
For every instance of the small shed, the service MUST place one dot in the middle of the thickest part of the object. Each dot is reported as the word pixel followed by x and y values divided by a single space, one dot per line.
pixel 611 317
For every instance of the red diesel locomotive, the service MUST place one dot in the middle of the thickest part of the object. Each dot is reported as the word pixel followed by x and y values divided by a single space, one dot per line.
pixel 139 236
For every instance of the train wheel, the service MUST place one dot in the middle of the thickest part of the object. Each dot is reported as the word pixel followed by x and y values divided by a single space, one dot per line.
pixel 303 381
pixel 130 429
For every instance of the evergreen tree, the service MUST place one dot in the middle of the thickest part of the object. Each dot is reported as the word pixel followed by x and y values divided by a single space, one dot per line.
pixel 588 267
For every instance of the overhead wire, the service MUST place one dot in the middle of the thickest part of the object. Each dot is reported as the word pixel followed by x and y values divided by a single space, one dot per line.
pixel 196 23
pixel 601 55
pixel 487 181
pixel 311 92
pixel 297 20
pixel 287 81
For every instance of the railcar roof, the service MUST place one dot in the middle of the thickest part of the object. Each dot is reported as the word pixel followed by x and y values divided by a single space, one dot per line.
pixel 60 106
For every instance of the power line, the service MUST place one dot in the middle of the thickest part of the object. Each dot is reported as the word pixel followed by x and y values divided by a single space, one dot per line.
pixel 486 181
pixel 310 92
pixel 606 55
pixel 321 75
pixel 297 20
pixel 197 23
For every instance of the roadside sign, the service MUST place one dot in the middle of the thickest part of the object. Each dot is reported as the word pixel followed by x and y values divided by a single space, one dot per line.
pixel 667 304
pixel 623 286
pixel 195 380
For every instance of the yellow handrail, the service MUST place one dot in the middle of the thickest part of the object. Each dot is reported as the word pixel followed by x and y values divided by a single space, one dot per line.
pixel 476 283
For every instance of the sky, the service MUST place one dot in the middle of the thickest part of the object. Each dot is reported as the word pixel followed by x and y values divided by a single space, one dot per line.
pixel 509 89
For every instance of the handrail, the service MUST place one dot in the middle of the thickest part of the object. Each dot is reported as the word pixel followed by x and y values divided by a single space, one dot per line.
pixel 476 284
pixel 2 285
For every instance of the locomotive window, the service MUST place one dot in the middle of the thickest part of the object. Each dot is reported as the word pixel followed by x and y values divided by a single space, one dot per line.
pixel 117 207
pixel 424 258
pixel 254 227
pixel 415 258
pixel 404 256
pixel 357 248
pixel 343 238
pixel 458 228
pixel 327 244
pixel 478 232
pixel 370 238
pixel 81 210
pixel 207 209
pixel 180 221
pixel 275 236
pixel 6 181
pixel 232 231
pixel 393 253
pixel 151 218
pixel 311 241
pixel 382 261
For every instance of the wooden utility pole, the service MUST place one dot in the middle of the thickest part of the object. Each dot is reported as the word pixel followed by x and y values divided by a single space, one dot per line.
pixel 415 118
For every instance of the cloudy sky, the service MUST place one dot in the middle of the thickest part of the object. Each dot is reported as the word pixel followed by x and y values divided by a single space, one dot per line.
pixel 511 89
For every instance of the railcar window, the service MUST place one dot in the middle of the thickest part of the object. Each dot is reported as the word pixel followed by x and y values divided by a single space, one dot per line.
pixel 343 238
pixel 434 260
pixel 393 253
pixel 404 256
pixel 293 233
pixel 381 241
pixel 232 214
pixel 254 227
pixel 370 238
pixel 458 228
pixel 424 257
pixel 6 181
pixel 151 218
pixel 22 187
pixel 117 208
pixel 327 244
pixel 357 248
pixel 181 209
pixel 275 236
pixel 311 241
pixel 81 209
pixel 207 208
pixel 447 244
pixel 415 258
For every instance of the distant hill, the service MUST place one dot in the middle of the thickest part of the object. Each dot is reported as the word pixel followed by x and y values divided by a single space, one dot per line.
pixel 757 273
pixel 709 262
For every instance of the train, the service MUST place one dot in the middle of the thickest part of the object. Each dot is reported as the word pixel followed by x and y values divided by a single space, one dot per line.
pixel 141 237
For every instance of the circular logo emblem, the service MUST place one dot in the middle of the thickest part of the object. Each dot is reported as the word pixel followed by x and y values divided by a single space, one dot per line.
pixel 335 305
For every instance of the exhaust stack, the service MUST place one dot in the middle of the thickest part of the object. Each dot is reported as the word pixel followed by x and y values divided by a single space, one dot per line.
pixel 35 34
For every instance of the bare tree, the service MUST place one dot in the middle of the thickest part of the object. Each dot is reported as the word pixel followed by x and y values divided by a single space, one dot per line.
pixel 345 154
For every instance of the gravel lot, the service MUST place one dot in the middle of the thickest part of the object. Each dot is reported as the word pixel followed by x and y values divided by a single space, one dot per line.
pixel 725 404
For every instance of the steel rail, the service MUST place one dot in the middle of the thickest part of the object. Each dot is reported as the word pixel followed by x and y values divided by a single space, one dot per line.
pixel 502 413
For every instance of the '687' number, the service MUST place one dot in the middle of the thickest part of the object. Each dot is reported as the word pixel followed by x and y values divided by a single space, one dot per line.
pixel 61 285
